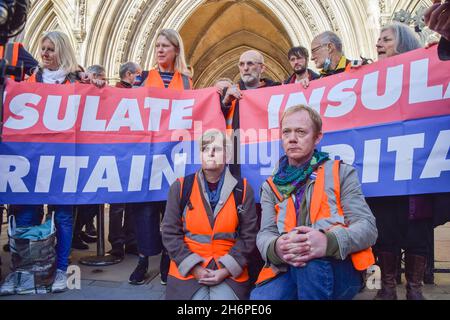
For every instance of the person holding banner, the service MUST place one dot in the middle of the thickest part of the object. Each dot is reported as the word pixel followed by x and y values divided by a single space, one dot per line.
pixel 58 66
pixel 327 53
pixel 209 228
pixel 171 72
pixel 298 58
pixel 251 67
pixel 316 229
pixel 402 221
pixel 437 18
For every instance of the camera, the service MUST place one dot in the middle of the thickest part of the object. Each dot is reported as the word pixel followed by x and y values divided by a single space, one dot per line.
pixel 13 15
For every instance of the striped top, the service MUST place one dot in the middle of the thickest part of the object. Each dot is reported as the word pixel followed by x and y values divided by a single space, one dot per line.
pixel 166 77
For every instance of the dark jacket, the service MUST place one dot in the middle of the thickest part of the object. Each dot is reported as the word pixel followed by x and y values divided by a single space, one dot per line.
pixel 265 82
pixel 311 75
pixel 123 84
pixel 29 62
pixel 444 49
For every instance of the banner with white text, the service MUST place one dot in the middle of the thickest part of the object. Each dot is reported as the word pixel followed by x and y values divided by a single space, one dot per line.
pixel 76 144
pixel 390 119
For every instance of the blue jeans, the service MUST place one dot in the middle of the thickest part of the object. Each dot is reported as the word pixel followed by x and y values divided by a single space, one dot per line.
pixel 320 279
pixel 28 215
pixel 147 219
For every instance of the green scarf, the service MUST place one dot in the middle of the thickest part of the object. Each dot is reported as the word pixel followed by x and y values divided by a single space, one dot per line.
pixel 289 179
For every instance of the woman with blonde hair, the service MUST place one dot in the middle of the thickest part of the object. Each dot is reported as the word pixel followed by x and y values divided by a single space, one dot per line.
pixel 58 65
pixel 170 67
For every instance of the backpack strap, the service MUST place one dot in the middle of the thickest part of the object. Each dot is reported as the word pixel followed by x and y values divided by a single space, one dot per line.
pixel 239 193
pixel 186 190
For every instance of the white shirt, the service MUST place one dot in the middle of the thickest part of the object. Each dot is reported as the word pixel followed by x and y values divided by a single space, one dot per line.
pixel 57 76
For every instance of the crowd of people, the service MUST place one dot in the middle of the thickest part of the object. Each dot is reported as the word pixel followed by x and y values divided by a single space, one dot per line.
pixel 311 237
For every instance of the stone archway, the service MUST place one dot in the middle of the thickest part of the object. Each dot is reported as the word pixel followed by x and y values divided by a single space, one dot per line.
pixel 110 32
pixel 218 32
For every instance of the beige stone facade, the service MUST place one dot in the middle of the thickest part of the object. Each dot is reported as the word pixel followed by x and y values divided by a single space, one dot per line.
pixel 215 32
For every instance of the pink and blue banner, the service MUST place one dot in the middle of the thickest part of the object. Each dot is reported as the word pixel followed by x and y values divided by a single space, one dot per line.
pixel 390 119
pixel 76 144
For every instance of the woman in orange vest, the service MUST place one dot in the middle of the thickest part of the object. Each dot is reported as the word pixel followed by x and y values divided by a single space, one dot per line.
pixel 209 229
pixel 171 72
pixel 316 228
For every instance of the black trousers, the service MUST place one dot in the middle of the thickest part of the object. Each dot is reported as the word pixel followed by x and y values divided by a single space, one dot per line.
pixel 84 214
pixel 121 225
pixel 396 230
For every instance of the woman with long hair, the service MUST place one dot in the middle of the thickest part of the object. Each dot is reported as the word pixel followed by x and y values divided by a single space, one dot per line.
pixel 169 71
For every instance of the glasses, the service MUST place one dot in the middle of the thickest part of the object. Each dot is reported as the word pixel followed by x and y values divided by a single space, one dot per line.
pixel 317 48
pixel 250 64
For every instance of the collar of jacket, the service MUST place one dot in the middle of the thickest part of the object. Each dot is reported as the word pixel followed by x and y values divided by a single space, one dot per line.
pixel 124 84
pixel 227 189
pixel 341 66
pixel 264 82
pixel 71 77
pixel 311 76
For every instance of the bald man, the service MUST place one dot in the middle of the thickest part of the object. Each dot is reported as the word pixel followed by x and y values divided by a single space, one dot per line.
pixel 251 66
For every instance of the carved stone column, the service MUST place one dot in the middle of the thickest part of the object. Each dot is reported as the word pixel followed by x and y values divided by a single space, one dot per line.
pixel 80 25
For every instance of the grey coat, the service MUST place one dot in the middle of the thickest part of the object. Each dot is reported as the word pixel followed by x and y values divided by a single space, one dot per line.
pixel 360 234
pixel 237 257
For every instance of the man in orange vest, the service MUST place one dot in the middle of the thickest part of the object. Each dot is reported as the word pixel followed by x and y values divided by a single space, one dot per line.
pixel 16 55
pixel 209 229
pixel 251 67
pixel 316 229
pixel 327 54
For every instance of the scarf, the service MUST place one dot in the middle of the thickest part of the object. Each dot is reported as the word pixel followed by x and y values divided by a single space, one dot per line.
pixel 57 76
pixel 214 195
pixel 290 179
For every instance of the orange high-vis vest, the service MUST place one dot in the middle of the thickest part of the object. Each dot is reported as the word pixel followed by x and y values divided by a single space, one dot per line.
pixel 200 238
pixel 179 81
pixel 32 78
pixel 230 115
pixel 325 213
pixel 11 54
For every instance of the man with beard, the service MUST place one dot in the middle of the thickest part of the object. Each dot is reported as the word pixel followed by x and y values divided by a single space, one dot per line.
pixel 298 58
pixel 251 66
